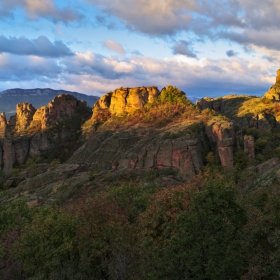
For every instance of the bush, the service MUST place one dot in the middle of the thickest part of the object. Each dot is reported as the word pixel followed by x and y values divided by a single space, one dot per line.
pixel 173 95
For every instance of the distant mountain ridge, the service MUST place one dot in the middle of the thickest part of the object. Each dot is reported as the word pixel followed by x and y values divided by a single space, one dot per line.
pixel 37 96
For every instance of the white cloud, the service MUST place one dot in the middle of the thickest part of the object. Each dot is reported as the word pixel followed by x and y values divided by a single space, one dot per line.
pixel 114 46
pixel 93 73
pixel 36 9
pixel 247 22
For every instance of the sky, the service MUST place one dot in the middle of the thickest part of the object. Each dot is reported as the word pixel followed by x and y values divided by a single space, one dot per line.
pixel 204 47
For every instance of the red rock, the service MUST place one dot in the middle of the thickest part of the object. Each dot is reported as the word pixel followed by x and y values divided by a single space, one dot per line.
pixel 249 146
pixel 222 133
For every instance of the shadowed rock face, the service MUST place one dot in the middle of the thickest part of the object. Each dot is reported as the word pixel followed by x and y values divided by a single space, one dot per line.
pixel 249 146
pixel 222 133
pixel 126 100
pixel 130 150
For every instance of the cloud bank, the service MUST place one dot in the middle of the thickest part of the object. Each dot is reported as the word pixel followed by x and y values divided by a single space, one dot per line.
pixel 35 9
pixel 39 47
pixel 245 22
pixel 96 74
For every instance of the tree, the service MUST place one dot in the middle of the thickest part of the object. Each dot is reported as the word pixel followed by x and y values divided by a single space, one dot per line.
pixel 197 236
pixel 48 249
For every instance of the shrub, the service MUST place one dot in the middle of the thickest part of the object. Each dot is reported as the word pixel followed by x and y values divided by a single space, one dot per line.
pixel 172 95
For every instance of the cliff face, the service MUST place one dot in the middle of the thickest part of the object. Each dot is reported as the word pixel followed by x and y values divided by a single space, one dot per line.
pixel 126 100
pixel 175 146
pixel 121 151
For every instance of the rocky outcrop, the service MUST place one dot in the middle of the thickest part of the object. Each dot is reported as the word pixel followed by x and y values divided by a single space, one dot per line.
pixel 130 150
pixel 126 100
pixel 221 134
pixel 24 116
pixel 19 149
pixel 60 108
pixel 30 128
pixel 3 125
pixel 8 155
pixel 274 92
pixel 51 175
pixel 227 105
pixel 42 185
pixel 29 120
pixel 249 146
pixel 268 166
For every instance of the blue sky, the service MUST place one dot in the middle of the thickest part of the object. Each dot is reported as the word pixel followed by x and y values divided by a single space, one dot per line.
pixel 204 47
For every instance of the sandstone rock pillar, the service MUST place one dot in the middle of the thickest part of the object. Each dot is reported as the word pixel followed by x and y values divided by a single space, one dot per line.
pixel 278 76
pixel 249 146
pixel 225 150
pixel 8 156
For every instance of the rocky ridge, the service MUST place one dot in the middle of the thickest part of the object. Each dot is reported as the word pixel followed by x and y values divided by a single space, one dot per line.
pixel 178 148
pixel 28 133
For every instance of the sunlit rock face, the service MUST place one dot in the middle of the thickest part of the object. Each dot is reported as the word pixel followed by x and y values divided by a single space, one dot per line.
pixel 126 100
pixel 26 134
pixel 61 107
pixel 3 125
pixel 28 118
pixel 24 116
pixel 274 92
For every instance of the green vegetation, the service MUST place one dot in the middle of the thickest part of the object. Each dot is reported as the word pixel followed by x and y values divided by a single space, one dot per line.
pixel 172 95
pixel 209 229
pixel 267 144
pixel 111 224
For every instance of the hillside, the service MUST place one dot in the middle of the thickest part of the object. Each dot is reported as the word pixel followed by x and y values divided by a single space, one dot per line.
pixel 146 185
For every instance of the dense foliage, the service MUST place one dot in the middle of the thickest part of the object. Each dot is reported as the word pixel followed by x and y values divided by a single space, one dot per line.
pixel 207 229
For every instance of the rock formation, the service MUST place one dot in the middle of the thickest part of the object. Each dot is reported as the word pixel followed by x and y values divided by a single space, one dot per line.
pixel 249 146
pixel 31 125
pixel 274 92
pixel 221 133
pixel 3 125
pixel 27 118
pixel 126 100
pixel 129 150
pixel 24 116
